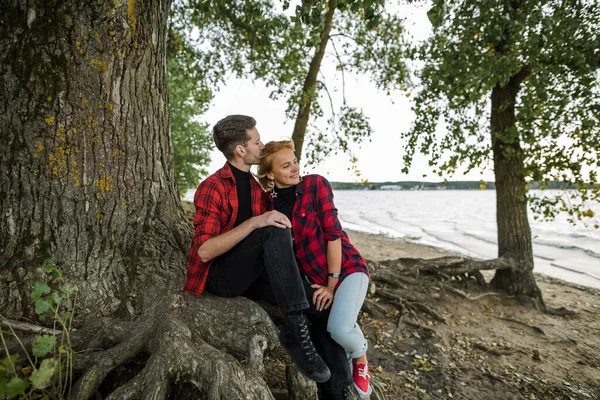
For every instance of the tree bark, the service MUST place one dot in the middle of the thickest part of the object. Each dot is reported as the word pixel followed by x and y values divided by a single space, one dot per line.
pixel 514 234
pixel 310 83
pixel 88 184
pixel 87 164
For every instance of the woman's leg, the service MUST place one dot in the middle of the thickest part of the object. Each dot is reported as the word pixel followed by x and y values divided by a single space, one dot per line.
pixel 347 302
pixel 344 329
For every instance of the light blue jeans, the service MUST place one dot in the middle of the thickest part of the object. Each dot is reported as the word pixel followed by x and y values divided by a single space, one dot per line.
pixel 347 302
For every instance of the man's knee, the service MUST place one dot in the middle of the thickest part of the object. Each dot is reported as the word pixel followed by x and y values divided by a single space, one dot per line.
pixel 277 234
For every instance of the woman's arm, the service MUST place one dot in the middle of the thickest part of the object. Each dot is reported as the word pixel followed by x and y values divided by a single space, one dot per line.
pixel 334 262
pixel 323 296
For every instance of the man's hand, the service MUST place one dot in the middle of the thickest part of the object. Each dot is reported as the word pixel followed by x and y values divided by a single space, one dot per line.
pixel 322 297
pixel 273 218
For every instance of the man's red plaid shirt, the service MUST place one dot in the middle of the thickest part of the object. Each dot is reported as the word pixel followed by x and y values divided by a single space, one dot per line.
pixel 216 210
pixel 314 223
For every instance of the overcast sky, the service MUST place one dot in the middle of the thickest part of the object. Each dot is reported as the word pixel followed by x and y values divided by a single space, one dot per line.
pixel 378 160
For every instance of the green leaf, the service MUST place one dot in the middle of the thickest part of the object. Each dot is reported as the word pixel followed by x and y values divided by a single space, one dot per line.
pixel 49 268
pixel 16 387
pixel 69 289
pixel 43 345
pixel 55 298
pixel 65 317
pixel 435 13
pixel 7 361
pixel 42 377
pixel 42 307
pixel 39 289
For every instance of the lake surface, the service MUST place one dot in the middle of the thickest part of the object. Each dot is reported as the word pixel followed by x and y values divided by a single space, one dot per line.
pixel 465 222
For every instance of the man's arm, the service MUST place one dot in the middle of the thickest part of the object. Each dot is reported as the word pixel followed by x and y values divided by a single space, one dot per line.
pixel 218 245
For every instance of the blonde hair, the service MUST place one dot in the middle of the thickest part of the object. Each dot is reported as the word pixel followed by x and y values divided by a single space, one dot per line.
pixel 267 158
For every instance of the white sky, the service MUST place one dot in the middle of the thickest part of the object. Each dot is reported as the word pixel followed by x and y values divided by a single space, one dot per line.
pixel 378 160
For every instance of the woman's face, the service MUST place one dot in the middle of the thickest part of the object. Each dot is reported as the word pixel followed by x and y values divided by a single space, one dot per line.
pixel 286 171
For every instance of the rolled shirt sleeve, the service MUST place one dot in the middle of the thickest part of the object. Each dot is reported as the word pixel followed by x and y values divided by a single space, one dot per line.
pixel 327 212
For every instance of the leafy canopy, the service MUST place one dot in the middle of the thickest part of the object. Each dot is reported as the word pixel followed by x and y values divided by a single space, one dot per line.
pixel 275 41
pixel 480 44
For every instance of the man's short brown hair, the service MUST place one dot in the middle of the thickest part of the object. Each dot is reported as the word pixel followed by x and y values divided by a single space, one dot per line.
pixel 232 131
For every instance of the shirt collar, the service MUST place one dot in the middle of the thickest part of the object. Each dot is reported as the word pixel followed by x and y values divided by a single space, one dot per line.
pixel 226 172
pixel 300 186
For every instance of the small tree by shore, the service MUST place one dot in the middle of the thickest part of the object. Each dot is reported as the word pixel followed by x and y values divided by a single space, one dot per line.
pixel 514 82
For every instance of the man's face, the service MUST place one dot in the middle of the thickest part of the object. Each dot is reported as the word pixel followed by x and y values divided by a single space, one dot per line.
pixel 254 147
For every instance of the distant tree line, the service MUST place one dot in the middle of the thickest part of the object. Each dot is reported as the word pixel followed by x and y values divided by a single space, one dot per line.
pixel 454 185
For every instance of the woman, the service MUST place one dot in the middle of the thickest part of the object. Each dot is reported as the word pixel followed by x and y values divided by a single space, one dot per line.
pixel 323 251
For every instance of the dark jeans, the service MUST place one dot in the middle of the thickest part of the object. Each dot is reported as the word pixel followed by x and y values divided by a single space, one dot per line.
pixel 266 254
pixel 260 268
pixel 332 353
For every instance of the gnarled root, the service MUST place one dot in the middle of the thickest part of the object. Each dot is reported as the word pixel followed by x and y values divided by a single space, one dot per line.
pixel 212 347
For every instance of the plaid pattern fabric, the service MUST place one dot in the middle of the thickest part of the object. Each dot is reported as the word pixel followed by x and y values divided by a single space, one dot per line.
pixel 314 223
pixel 216 210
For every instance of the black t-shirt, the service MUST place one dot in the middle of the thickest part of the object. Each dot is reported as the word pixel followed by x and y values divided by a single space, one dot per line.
pixel 285 200
pixel 242 184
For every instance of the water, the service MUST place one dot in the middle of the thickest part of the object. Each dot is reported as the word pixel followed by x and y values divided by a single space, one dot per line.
pixel 465 222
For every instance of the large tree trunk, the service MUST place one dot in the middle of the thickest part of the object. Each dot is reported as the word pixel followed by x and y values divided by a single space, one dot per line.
pixel 310 83
pixel 514 234
pixel 86 168
pixel 88 184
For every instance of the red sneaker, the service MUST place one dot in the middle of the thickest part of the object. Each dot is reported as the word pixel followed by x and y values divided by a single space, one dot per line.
pixel 360 375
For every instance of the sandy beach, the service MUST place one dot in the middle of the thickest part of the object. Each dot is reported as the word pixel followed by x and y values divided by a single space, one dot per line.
pixel 382 247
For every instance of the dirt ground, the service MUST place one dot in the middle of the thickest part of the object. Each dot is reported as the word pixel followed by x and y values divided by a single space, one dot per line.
pixel 489 347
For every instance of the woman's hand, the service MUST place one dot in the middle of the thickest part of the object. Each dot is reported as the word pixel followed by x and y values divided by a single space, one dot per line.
pixel 322 297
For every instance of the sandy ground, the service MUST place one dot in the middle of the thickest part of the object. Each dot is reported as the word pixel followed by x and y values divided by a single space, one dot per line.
pixel 381 247
pixel 489 347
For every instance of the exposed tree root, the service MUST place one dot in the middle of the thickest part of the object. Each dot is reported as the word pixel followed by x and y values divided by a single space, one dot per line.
pixel 399 325
pixel 466 295
pixel 397 273
pixel 561 311
pixel 411 304
pixel 516 321
pixel 451 265
pixel 213 347
pixel 26 327
pixel 424 328
pixel 374 309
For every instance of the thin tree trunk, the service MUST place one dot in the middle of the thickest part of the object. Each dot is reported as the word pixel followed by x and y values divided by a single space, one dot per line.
pixel 310 83
pixel 86 175
pixel 514 234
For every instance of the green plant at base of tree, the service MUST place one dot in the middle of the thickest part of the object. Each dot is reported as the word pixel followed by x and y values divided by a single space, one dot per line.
pixel 47 370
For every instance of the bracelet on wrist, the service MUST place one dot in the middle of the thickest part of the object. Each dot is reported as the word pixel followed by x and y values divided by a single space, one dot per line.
pixel 334 275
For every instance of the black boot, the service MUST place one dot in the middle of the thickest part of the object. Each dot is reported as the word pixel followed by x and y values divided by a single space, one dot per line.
pixel 295 338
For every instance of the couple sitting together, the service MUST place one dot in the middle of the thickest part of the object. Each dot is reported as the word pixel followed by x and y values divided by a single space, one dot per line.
pixel 281 241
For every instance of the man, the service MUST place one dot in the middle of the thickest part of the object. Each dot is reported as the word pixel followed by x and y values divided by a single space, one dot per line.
pixel 241 249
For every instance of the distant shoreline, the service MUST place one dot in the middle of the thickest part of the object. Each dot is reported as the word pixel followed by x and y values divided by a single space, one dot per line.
pixel 444 185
